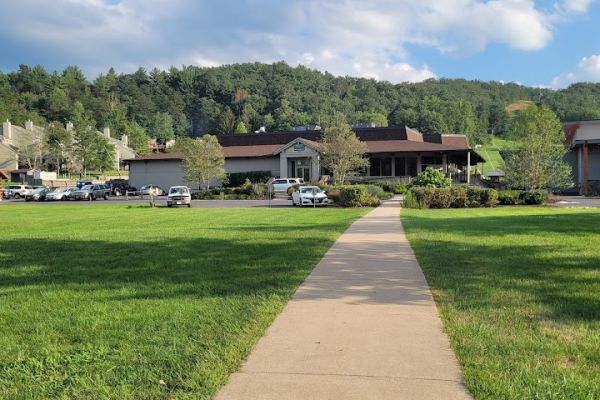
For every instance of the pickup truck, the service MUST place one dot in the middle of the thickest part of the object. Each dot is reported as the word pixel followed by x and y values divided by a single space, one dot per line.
pixel 91 192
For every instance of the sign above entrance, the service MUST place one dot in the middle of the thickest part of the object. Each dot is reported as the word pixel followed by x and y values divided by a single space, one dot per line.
pixel 299 147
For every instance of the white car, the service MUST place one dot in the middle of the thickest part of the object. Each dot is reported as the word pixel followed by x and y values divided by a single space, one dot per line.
pixel 282 184
pixel 179 196
pixel 152 190
pixel 309 196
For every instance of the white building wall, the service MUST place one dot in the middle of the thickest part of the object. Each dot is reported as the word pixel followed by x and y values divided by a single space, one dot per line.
pixel 253 164
pixel 588 131
pixel 163 173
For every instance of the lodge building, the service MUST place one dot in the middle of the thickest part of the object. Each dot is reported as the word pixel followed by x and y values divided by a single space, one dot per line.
pixel 394 152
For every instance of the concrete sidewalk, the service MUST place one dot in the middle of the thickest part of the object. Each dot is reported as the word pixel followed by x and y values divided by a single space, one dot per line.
pixel 362 326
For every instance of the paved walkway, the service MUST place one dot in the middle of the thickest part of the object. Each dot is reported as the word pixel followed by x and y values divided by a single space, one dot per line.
pixel 362 326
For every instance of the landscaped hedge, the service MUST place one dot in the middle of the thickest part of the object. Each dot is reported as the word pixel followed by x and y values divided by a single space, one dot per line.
pixel 469 197
pixel 248 191
pixel 392 186
pixel 238 178
pixel 456 197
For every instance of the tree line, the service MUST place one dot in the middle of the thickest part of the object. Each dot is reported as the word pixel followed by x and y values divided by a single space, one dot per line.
pixel 192 101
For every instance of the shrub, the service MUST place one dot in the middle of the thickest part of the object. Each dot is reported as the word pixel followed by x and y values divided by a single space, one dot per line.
pixel 333 193
pixel 410 201
pixel 489 197
pixel 392 185
pixel 534 197
pixel 375 190
pixel 353 196
pixel 371 201
pixel 422 195
pixel 440 198
pixel 238 178
pixel 474 197
pixel 508 197
pixel 459 197
pixel 433 178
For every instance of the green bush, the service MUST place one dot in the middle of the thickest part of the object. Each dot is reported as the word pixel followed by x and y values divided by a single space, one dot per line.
pixel 333 193
pixel 534 197
pixel 371 201
pixel 440 198
pixel 353 196
pixel 489 197
pixel 509 197
pixel 459 197
pixel 375 190
pixel 432 178
pixel 238 178
pixel 392 185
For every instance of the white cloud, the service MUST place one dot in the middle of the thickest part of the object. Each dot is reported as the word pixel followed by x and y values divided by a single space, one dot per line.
pixel 344 37
pixel 575 6
pixel 587 70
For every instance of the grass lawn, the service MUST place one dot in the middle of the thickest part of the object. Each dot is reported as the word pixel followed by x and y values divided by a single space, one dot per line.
pixel 138 303
pixel 518 290
pixel 491 154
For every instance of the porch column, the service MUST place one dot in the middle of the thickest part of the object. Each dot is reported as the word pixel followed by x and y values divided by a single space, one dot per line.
pixel 418 164
pixel 283 166
pixel 393 165
pixel 586 170
pixel 468 167
pixel 445 163
pixel 314 168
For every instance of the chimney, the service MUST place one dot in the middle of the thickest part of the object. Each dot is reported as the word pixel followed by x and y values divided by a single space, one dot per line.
pixel 106 132
pixel 69 126
pixel 29 125
pixel 125 140
pixel 7 130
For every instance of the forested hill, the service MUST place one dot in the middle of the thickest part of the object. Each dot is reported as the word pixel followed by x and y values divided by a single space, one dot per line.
pixel 244 97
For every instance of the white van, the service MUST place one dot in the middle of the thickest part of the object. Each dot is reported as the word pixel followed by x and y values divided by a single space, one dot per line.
pixel 281 185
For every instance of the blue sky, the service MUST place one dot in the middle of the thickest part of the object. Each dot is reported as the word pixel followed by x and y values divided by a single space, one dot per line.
pixel 535 43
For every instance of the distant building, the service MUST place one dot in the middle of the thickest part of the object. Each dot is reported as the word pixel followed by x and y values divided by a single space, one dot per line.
pixel 394 152
pixel 583 138
pixel 13 137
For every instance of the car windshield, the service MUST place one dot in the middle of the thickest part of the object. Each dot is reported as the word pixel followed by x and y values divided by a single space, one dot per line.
pixel 87 187
pixel 310 190
pixel 178 190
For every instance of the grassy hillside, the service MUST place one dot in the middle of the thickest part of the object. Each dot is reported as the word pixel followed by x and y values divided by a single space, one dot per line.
pixel 491 154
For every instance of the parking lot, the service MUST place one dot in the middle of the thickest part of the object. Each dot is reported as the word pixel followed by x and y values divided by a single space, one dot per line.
pixel 160 201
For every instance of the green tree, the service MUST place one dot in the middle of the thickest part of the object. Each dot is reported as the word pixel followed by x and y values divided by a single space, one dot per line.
pixel 226 122
pixel 137 137
pixel 538 162
pixel 162 127
pixel 59 144
pixel 204 162
pixel 343 153
pixel 241 128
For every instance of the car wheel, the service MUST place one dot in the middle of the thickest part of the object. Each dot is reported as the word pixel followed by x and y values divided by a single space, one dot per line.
pixel 169 205
pixel 106 197
pixel 17 196
pixel 90 198
pixel 189 205
pixel 117 192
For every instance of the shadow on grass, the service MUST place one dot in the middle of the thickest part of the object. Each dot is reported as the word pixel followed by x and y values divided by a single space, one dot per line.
pixel 483 256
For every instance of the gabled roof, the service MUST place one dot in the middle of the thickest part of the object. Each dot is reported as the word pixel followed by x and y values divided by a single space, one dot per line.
pixel 310 143
pixel 158 156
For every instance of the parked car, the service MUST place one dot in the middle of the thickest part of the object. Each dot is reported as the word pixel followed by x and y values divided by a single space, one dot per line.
pixel 38 194
pixel 152 190
pixel 61 193
pixel 179 196
pixel 309 196
pixel 118 187
pixel 83 183
pixel 281 185
pixel 91 192
pixel 17 191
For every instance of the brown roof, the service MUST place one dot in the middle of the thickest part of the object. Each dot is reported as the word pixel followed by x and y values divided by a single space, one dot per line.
pixel 379 140
pixel 159 156
pixel 262 150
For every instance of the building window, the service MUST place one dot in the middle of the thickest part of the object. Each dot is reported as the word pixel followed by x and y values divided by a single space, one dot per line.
pixel 380 167
pixel 375 167
pixel 400 167
pixel 411 166
pixel 386 166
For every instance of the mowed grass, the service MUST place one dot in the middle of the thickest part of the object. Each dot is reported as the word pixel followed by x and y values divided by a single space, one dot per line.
pixel 518 290
pixel 111 302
